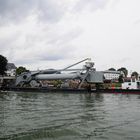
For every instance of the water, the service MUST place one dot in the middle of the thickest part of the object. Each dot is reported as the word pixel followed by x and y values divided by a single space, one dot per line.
pixel 63 116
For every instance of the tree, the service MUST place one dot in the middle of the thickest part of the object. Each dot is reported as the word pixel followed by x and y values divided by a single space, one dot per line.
pixel 120 79
pixel 20 70
pixel 124 71
pixel 112 69
pixel 3 64
pixel 135 74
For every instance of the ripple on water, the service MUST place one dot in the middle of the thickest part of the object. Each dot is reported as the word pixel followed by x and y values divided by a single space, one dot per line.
pixel 69 116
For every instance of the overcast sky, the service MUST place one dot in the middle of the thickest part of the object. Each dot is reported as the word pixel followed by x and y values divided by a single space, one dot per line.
pixel 41 34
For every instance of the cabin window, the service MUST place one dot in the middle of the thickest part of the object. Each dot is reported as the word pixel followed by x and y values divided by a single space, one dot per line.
pixel 127 80
pixel 133 80
pixel 129 84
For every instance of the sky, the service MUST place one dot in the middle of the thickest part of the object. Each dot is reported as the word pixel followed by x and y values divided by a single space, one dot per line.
pixel 41 34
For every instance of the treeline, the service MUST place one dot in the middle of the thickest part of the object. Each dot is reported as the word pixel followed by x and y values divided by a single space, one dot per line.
pixel 3 64
pixel 3 67
pixel 124 72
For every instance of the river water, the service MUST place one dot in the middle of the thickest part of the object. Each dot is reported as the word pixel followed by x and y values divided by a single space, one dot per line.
pixel 69 116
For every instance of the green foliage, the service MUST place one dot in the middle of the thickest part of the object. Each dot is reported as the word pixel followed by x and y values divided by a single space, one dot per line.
pixel 120 79
pixel 124 71
pixel 135 74
pixel 20 70
pixel 3 64
pixel 112 69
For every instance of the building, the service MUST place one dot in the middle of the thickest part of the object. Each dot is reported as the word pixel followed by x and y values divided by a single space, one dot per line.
pixel 7 81
pixel 111 75
pixel 11 69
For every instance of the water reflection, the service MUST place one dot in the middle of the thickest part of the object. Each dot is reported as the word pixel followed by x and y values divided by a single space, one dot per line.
pixel 69 116
pixel 90 109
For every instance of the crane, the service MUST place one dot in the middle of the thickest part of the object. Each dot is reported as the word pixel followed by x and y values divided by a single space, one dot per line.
pixel 86 73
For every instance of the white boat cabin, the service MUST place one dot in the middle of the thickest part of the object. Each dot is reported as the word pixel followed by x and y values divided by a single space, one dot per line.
pixel 131 84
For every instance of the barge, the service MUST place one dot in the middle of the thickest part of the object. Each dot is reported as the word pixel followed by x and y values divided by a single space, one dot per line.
pixel 72 90
pixel 32 81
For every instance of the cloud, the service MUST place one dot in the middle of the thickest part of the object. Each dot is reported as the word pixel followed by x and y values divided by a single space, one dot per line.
pixel 14 10
pixel 90 4
pixel 37 33
pixel 137 21
pixel 17 10
pixel 66 37
pixel 50 11
pixel 29 43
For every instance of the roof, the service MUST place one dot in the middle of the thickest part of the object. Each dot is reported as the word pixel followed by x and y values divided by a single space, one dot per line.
pixel 10 66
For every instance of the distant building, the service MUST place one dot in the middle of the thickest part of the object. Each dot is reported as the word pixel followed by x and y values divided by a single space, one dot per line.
pixel 11 69
pixel 111 75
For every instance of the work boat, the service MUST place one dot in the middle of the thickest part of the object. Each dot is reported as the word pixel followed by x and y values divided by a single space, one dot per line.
pixel 129 86
pixel 131 83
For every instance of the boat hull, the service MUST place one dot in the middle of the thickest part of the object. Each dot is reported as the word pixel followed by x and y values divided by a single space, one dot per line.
pixel 120 91
pixel 70 90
